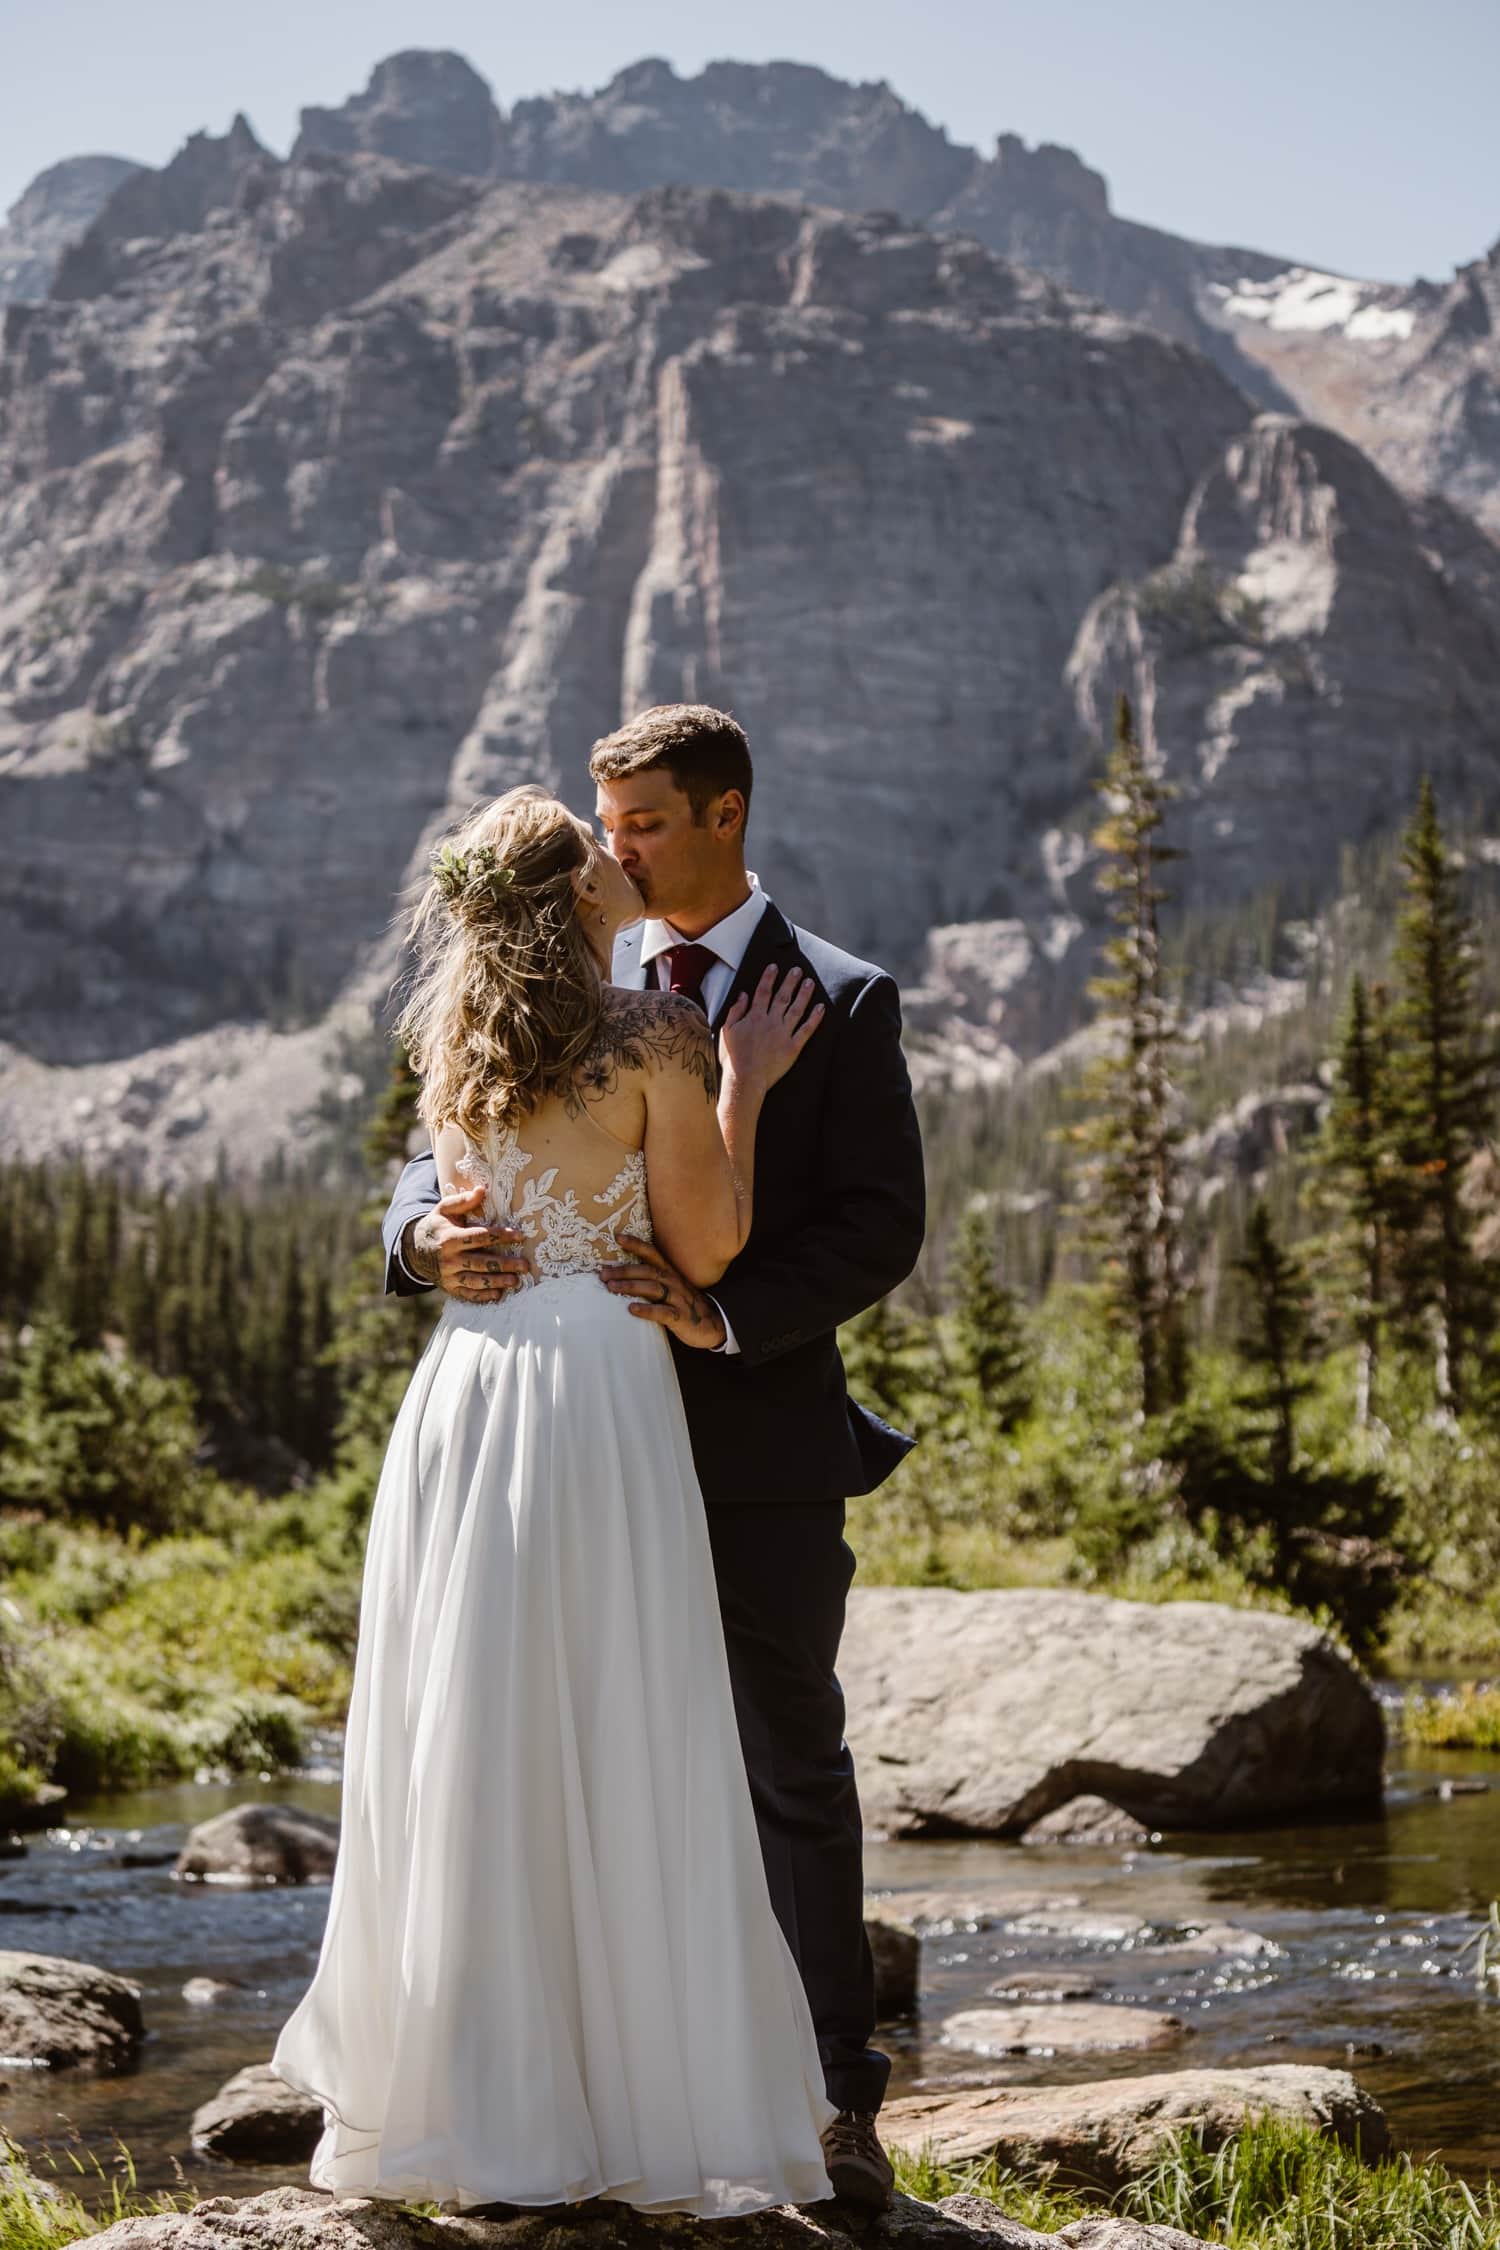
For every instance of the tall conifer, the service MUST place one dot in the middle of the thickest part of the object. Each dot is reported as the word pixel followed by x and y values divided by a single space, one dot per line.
pixel 1134 1133
pixel 1359 1157
pixel 1443 1100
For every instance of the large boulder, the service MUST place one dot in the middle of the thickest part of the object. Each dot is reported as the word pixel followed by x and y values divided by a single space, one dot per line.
pixel 293 2218
pixel 983 1712
pixel 257 2118
pixel 1109 2132
pixel 58 2012
pixel 255 1843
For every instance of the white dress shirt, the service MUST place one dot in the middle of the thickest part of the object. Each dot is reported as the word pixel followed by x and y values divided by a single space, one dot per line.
pixel 728 939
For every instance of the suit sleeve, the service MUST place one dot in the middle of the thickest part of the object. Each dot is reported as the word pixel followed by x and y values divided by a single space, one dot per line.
pixel 871 1207
pixel 416 1192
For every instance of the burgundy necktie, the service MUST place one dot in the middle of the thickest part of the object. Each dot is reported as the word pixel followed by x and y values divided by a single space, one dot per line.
pixel 687 966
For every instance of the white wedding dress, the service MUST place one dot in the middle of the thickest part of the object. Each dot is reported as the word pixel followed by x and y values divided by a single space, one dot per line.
pixel 550 1968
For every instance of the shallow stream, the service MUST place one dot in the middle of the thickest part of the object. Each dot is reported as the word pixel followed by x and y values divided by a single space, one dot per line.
pixel 1374 1920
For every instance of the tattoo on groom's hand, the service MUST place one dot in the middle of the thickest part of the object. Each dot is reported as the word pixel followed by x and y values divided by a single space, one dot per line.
pixel 657 1291
pixel 453 1248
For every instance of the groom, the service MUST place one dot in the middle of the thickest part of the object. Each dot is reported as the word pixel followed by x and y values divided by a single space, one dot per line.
pixel 778 1444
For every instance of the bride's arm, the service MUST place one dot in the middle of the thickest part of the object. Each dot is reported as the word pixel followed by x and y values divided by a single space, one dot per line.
pixel 700 1198
pixel 700 1149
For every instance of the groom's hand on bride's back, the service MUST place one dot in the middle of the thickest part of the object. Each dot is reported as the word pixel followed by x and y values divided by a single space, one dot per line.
pixel 451 1247
pixel 657 1291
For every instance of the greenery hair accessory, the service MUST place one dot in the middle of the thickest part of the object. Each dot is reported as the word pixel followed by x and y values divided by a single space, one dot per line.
pixel 471 877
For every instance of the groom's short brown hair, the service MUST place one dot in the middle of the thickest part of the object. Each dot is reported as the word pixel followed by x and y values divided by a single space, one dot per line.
pixel 704 750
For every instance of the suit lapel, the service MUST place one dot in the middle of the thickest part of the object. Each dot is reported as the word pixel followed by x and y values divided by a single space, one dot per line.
pixel 770 940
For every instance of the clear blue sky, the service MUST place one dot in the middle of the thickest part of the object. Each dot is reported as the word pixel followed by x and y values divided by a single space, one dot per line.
pixel 1356 134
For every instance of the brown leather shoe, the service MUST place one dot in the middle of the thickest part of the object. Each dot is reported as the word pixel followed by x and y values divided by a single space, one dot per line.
pixel 857 2165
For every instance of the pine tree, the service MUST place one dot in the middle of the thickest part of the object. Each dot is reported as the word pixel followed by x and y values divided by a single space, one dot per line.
pixel 1134 1134
pixel 991 1352
pixel 77 1294
pixel 1274 1339
pixel 1358 1157
pixel 137 1302
pixel 1442 1099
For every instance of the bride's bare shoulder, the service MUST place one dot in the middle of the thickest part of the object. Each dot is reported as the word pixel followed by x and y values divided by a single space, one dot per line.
pixel 650 1032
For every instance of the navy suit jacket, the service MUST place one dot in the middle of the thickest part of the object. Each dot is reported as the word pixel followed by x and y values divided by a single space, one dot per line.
pixel 840 1210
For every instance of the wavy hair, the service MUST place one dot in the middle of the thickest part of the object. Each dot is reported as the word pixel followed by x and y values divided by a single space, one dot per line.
pixel 504 997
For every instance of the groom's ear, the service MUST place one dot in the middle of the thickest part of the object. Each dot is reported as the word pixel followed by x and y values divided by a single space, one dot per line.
pixel 729 814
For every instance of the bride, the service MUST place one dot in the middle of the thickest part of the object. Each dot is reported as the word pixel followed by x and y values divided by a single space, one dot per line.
pixel 550 1968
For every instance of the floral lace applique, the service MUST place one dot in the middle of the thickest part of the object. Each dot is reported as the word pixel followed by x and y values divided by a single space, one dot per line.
pixel 566 1239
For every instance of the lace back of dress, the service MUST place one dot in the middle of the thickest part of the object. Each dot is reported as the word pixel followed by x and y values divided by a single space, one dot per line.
pixel 572 1195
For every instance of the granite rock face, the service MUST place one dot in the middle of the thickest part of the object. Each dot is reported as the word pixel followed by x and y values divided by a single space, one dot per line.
pixel 421 106
pixel 379 492
pixel 339 491
pixel 978 1713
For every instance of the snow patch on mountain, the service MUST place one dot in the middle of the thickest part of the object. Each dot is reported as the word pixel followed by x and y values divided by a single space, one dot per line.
pixel 1302 298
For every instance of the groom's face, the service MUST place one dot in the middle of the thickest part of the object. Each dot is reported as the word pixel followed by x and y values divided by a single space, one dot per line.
pixel 674 861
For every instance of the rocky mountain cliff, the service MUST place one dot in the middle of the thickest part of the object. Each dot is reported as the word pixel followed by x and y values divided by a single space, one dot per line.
pixel 336 492
pixel 1411 374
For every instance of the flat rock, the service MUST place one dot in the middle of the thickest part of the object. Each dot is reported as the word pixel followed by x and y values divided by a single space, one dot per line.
pixel 937 1913
pixel 1108 2132
pixel 1089 2234
pixel 256 1843
pixel 1087 1820
pixel 256 2118
pixel 983 1712
pixel 294 2218
pixel 896 1945
pixel 1069 2027
pixel 60 2013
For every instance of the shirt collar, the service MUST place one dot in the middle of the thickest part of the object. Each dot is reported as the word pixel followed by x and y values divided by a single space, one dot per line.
pixel 728 939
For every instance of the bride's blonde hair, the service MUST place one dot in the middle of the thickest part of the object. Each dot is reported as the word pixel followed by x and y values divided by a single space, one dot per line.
pixel 505 995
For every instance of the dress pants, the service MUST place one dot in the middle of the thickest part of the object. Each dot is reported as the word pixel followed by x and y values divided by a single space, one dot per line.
pixel 783 1571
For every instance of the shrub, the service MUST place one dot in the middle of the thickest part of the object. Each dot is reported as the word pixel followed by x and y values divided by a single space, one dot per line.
pixel 89 1436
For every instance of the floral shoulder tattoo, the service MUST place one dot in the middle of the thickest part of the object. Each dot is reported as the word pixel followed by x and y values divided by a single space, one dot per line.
pixel 639 1028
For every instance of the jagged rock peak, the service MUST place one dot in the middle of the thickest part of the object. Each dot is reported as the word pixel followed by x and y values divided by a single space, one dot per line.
pixel 203 176
pixel 779 125
pixel 1050 174
pixel 425 106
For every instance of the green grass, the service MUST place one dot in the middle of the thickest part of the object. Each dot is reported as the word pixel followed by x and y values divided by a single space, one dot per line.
pixel 31 2222
pixel 1272 2187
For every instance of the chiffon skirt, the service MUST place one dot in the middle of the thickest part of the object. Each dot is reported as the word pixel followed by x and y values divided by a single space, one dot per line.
pixel 550 1968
